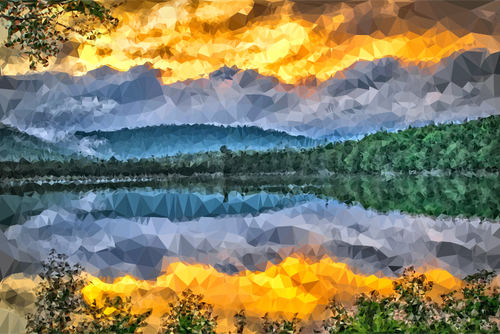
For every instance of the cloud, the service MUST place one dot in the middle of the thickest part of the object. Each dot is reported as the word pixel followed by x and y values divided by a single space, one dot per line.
pixel 112 245
pixel 363 99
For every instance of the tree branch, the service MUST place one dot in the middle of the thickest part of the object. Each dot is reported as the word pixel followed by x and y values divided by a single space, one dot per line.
pixel 15 18
pixel 65 26
pixel 35 24
pixel 35 2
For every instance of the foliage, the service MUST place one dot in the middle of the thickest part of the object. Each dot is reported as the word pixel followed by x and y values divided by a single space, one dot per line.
pixel 480 303
pixel 240 321
pixel 452 147
pixel 281 326
pixel 189 315
pixel 119 321
pixel 36 25
pixel 340 320
pixel 467 194
pixel 409 310
pixel 57 296
pixel 61 308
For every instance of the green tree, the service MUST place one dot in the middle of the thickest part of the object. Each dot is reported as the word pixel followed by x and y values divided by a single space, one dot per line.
pixel 38 25
pixel 61 308
pixel 189 315
pixel 58 296
pixel 281 326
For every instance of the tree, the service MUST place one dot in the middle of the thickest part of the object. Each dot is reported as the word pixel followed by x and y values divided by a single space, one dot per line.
pixel 189 315
pixel 223 149
pixel 38 25
pixel 121 321
pixel 240 321
pixel 61 308
pixel 281 326
pixel 58 296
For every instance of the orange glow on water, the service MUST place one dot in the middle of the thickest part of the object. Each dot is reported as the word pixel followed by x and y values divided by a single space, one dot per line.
pixel 295 285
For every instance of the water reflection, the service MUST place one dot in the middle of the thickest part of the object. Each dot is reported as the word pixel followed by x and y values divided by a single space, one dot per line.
pixel 242 224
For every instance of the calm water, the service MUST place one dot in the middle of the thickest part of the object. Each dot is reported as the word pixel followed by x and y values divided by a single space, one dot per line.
pixel 236 224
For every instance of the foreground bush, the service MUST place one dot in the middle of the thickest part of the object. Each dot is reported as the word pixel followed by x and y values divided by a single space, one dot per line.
pixel 409 310
pixel 61 308
pixel 189 315
pixel 119 321
pixel 58 296
pixel 281 326
pixel 240 321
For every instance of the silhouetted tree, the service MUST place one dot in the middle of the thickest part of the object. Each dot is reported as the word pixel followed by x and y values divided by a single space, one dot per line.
pixel 38 25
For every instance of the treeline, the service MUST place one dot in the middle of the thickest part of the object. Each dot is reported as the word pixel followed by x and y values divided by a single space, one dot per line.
pixel 476 195
pixel 457 147
pixel 61 308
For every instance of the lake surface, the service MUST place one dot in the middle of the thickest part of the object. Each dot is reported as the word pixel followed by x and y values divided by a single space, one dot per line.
pixel 376 224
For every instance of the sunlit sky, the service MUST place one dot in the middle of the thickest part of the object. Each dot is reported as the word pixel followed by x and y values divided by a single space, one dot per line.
pixel 189 39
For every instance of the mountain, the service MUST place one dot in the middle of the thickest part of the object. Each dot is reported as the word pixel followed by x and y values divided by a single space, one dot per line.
pixel 15 144
pixel 167 140
pixel 162 140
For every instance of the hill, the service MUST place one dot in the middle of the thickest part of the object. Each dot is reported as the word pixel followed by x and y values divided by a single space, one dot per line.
pixel 470 146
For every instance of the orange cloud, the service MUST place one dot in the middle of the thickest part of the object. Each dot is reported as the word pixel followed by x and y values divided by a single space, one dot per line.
pixel 190 41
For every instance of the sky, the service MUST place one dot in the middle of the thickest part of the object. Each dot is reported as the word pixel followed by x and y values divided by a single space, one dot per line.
pixel 335 70
pixel 292 41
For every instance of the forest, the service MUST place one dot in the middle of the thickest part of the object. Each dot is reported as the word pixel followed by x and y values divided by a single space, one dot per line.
pixel 450 147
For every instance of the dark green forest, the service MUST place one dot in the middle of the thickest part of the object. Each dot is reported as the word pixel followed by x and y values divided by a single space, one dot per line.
pixel 470 146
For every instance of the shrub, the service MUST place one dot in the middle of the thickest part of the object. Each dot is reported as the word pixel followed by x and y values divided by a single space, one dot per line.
pixel 58 296
pixel 341 319
pixel 61 308
pixel 478 308
pixel 119 321
pixel 281 326
pixel 240 321
pixel 409 310
pixel 189 315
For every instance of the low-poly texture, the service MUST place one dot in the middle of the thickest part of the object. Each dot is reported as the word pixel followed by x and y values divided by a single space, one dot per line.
pixel 369 96
pixel 270 155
